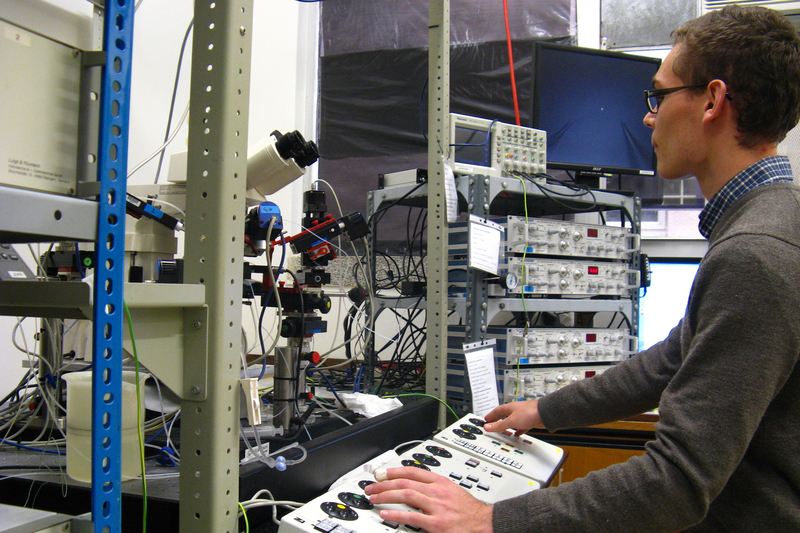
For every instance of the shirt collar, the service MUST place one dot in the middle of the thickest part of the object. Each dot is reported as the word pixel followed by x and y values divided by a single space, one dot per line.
pixel 768 170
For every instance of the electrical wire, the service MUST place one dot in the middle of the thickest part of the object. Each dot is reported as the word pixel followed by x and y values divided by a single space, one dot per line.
pixel 163 147
pixel 174 95
pixel 511 64
pixel 426 396
pixel 139 416
pixel 279 305
pixel 244 514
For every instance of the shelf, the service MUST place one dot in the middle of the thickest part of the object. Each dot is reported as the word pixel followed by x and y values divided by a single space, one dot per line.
pixel 32 216
pixel 46 299
pixel 505 197
pixel 493 306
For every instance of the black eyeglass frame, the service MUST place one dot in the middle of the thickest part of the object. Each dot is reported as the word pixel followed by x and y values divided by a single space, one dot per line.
pixel 656 93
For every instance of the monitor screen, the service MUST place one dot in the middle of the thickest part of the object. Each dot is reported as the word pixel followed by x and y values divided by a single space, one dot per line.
pixel 664 303
pixel 591 104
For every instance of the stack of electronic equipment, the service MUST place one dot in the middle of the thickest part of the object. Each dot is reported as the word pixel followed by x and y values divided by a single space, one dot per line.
pixel 570 278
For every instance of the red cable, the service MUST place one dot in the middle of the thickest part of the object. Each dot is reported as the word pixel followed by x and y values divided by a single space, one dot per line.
pixel 511 64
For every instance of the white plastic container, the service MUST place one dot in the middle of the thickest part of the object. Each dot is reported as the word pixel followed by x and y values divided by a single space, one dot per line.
pixel 79 425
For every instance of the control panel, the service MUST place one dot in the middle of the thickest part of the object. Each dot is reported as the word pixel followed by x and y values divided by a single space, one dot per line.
pixel 548 346
pixel 532 383
pixel 568 277
pixel 492 467
pixel 572 239
pixel 11 266
pixel 492 148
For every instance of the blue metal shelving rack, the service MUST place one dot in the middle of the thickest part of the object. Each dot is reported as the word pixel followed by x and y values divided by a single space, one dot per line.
pixel 110 250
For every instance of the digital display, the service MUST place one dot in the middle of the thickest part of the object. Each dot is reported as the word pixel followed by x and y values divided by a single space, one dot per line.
pixel 592 232
pixel 593 270
pixel 591 337
pixel 590 104
pixel 472 147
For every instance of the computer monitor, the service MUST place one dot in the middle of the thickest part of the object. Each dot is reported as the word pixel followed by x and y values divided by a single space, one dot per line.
pixel 591 104
pixel 664 303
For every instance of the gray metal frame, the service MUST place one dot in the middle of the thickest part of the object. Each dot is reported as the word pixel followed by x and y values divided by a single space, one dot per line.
pixel 438 148
pixel 217 167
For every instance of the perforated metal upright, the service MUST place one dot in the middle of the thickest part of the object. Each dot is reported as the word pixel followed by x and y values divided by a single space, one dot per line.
pixel 438 147
pixel 217 166
pixel 112 162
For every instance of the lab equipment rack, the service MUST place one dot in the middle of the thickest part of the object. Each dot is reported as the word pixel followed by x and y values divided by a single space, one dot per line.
pixel 486 196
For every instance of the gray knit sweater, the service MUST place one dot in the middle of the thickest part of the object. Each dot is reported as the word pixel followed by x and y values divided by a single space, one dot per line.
pixel 726 454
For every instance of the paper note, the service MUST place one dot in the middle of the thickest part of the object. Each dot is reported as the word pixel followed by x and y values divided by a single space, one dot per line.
pixel 450 193
pixel 484 244
pixel 482 377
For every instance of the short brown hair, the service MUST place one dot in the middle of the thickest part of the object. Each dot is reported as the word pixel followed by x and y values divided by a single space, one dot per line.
pixel 756 52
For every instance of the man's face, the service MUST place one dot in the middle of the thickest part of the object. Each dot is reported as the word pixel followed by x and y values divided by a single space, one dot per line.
pixel 676 125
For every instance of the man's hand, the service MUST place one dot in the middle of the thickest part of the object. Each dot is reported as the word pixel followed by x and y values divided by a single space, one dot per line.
pixel 446 507
pixel 520 416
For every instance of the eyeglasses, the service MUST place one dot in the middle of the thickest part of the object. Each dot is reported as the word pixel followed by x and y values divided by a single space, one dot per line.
pixel 655 96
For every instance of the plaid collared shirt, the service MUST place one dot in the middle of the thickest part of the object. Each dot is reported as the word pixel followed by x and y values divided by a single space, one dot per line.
pixel 769 170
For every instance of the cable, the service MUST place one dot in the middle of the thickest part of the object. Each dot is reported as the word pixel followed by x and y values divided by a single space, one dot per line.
pixel 279 305
pixel 511 64
pixel 161 148
pixel 246 523
pixel 524 256
pixel 138 417
pixel 174 95
pixel 330 386
pixel 24 447
pixel 426 396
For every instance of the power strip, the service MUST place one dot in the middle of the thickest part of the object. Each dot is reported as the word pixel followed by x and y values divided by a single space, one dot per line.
pixel 492 467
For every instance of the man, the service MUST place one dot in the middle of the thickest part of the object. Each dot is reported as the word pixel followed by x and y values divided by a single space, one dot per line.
pixel 726 454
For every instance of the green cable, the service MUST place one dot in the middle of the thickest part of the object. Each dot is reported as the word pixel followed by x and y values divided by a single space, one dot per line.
pixel 427 396
pixel 522 292
pixel 524 253
pixel 244 514
pixel 138 417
